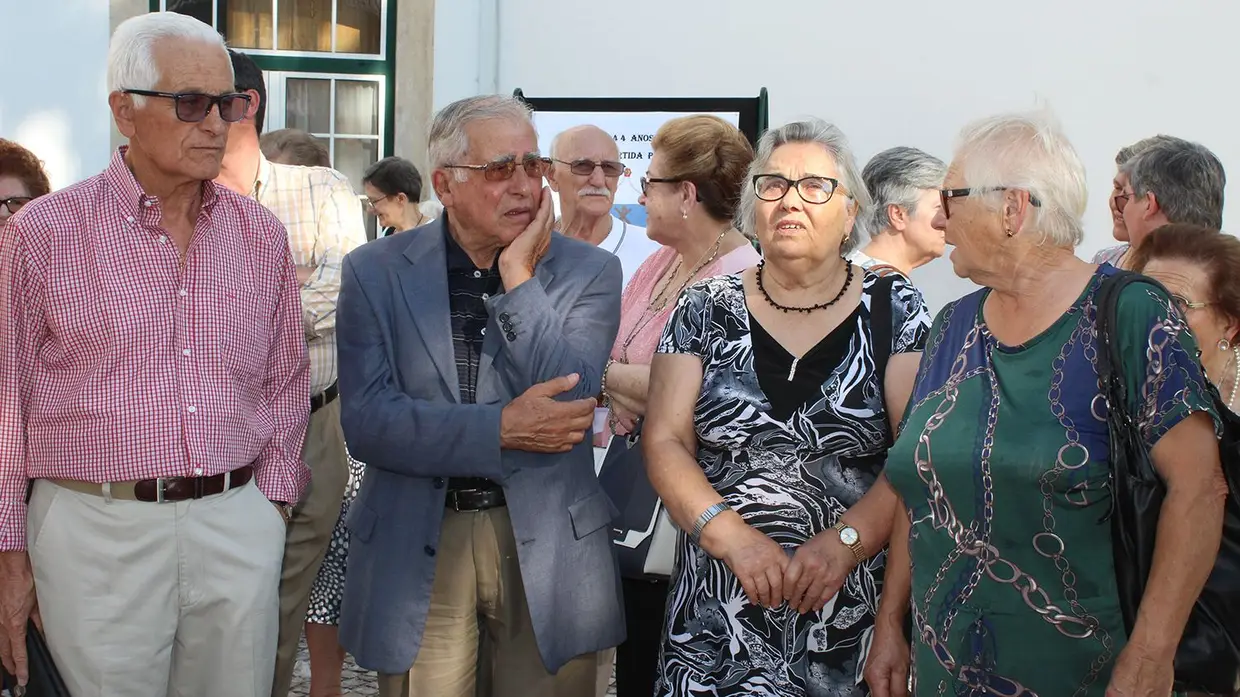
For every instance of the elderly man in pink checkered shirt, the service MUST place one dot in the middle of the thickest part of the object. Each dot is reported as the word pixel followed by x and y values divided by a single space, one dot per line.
pixel 154 389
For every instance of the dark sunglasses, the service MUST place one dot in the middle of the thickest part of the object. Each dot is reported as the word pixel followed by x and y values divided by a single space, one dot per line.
pixel 14 203
pixel 774 187
pixel 193 107
pixel 1121 201
pixel 585 168
pixel 500 170
pixel 946 195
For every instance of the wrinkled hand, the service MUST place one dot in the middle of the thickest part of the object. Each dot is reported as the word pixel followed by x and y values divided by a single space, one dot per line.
pixel 758 563
pixel 887 664
pixel 1142 672
pixel 817 572
pixel 538 423
pixel 17 605
pixel 517 261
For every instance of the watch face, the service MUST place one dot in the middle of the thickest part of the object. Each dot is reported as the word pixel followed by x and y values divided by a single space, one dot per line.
pixel 849 536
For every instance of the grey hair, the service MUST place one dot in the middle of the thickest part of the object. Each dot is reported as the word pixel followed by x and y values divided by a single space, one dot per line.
pixel 131 61
pixel 897 177
pixel 1186 178
pixel 449 141
pixel 1028 152
pixel 817 132
pixel 1127 153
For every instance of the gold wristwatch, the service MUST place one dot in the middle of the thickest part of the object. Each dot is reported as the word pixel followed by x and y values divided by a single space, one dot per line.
pixel 851 539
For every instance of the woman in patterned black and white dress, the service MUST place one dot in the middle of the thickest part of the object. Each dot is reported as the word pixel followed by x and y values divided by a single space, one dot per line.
pixel 771 410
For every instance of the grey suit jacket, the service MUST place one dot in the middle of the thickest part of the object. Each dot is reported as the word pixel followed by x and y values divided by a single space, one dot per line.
pixel 402 416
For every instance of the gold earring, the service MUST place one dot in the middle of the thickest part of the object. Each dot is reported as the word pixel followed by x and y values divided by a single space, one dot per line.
pixel 684 214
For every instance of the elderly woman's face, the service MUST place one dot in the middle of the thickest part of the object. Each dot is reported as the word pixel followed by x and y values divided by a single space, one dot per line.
pixel 1190 289
pixel 974 230
pixel 792 226
pixel 1118 230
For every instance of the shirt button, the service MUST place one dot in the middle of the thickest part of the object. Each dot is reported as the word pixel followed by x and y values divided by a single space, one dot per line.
pixel 198 471
pixel 147 203
pixel 130 218
pixel 163 239
pixel 192 409
pixel 483 331
pixel 183 293
pixel 185 351
pixel 430 551
pixel 485 296
pixel 477 274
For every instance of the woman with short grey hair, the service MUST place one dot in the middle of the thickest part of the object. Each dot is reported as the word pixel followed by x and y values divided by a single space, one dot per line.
pixel 773 396
pixel 1004 462
pixel 904 184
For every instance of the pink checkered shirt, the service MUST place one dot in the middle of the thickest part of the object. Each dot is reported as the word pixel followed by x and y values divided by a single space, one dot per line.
pixel 119 363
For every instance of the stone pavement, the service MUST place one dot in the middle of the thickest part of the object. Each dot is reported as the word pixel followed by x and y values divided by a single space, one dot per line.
pixel 354 681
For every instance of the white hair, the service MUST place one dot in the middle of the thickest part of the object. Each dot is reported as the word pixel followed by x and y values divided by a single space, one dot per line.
pixel 818 132
pixel 1028 152
pixel 449 141
pixel 131 60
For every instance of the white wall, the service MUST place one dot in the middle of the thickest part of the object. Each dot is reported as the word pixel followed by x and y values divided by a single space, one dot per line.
pixel 54 100
pixel 901 72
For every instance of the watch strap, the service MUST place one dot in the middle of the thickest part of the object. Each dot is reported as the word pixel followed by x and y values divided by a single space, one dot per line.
pixel 856 548
pixel 707 516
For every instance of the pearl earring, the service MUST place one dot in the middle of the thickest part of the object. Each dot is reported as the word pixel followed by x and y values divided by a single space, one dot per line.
pixel 1224 345
pixel 684 214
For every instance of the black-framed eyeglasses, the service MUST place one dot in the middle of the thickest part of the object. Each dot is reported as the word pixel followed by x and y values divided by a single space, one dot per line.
pixel 1183 304
pixel 946 195
pixel 647 181
pixel 813 189
pixel 585 168
pixel 500 170
pixel 193 107
pixel 15 203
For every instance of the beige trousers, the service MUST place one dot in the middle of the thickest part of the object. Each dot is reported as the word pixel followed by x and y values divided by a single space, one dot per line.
pixel 478 589
pixel 146 599
pixel 309 533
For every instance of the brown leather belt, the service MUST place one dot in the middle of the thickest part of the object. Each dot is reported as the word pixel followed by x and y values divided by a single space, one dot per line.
pixel 475 499
pixel 164 489
pixel 325 397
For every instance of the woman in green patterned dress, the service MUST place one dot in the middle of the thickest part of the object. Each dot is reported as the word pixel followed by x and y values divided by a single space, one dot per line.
pixel 1002 463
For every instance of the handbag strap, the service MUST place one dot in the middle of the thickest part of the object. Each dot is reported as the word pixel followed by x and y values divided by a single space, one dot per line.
pixel 881 331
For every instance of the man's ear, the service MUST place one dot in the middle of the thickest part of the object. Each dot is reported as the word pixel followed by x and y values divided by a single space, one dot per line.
pixel 251 111
pixel 123 109
pixel 439 182
pixel 551 178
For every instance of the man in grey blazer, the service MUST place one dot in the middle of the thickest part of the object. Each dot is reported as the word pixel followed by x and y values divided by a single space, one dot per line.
pixel 470 355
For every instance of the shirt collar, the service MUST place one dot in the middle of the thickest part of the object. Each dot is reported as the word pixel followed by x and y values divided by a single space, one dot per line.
pixel 458 260
pixel 134 198
pixel 264 176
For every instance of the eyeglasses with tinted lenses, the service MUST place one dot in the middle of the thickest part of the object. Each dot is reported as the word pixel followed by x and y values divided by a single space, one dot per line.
pixel 1121 201
pixel 500 170
pixel 193 107
pixel 585 168
pixel 774 187
pixel 14 203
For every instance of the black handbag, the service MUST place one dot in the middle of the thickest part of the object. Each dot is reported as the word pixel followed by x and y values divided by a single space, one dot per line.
pixel 1208 656
pixel 645 536
pixel 45 680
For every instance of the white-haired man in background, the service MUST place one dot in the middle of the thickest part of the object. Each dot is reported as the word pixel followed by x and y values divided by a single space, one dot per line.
pixel 155 389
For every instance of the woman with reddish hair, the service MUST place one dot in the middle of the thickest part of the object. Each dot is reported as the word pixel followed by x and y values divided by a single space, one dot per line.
pixel 22 178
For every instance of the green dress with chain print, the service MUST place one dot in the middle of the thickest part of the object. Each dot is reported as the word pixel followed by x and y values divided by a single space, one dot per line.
pixel 1002 463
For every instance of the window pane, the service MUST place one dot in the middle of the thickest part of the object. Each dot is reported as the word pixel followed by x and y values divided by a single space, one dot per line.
pixel 308 104
pixel 353 156
pixel 305 25
pixel 249 23
pixel 358 26
pixel 357 107
pixel 200 10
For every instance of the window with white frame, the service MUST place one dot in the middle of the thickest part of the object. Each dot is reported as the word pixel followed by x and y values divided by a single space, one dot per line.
pixel 335 28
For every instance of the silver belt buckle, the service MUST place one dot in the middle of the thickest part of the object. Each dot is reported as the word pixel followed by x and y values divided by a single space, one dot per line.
pixel 159 490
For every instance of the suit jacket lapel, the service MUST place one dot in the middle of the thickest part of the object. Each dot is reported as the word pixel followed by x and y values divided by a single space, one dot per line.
pixel 425 286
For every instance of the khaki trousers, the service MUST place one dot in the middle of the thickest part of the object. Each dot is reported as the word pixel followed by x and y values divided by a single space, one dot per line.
pixel 147 599
pixel 309 533
pixel 478 589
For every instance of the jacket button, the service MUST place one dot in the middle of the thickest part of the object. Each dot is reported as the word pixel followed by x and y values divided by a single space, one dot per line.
pixel 430 551
pixel 503 317
pixel 438 482
pixel 511 336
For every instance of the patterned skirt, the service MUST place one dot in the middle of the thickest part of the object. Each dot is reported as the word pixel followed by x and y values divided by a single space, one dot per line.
pixel 328 590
